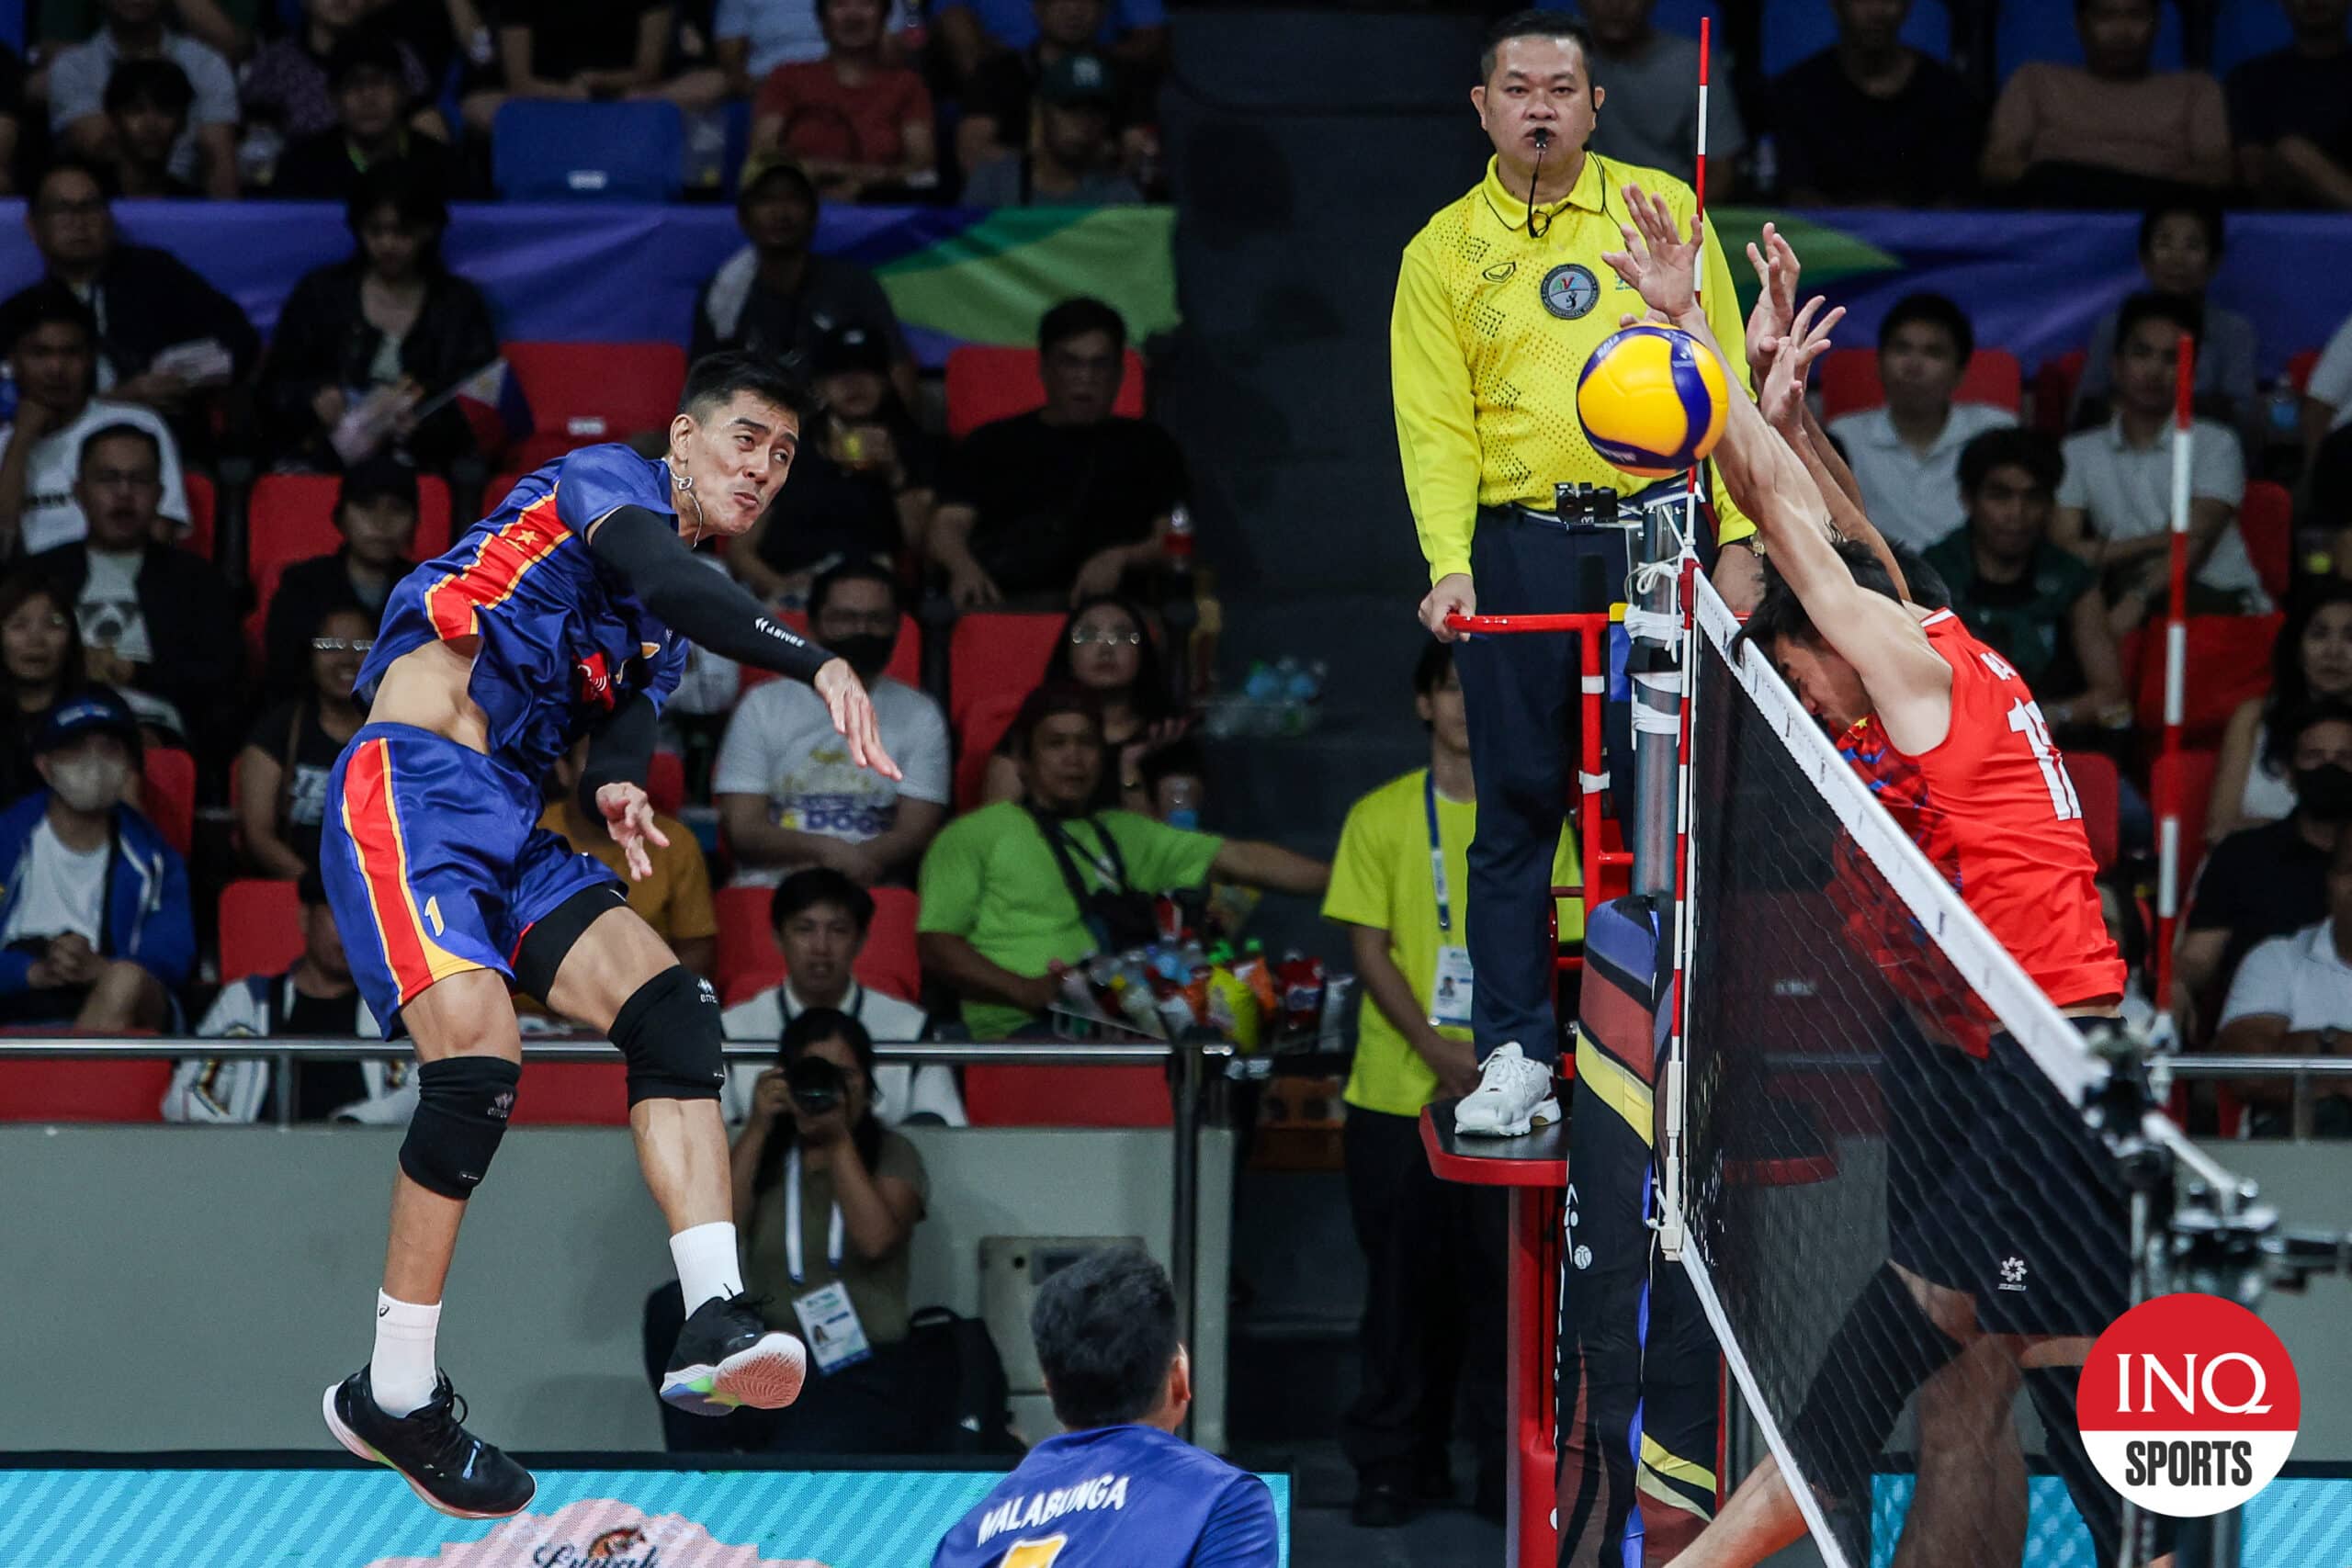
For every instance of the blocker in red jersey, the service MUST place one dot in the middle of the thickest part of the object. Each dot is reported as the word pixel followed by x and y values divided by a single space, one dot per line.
pixel 2189 1406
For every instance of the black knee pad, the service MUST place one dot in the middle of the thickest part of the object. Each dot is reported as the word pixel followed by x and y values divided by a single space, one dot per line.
pixel 1882 1350
pixel 462 1106
pixel 669 1033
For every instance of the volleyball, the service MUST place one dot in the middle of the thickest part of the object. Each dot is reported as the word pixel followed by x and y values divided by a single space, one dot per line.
pixel 1653 399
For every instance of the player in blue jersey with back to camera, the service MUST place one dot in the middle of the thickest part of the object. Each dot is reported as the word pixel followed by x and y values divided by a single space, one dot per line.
pixel 1116 1488
pixel 565 613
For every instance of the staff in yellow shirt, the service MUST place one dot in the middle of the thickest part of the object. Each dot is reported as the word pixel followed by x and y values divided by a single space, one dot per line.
pixel 1500 301
pixel 1432 1249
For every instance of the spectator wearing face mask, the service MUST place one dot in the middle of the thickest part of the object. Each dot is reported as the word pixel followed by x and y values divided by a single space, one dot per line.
pixel 2272 880
pixel 787 794
pixel 95 929
pixel 822 919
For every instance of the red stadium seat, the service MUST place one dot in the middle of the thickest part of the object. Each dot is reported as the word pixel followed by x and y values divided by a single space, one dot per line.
pixel 203 503
pixel 986 383
pixel 906 658
pixel 292 518
pixel 2300 368
pixel 2054 391
pixel 994 651
pixel 2228 661
pixel 167 794
pixel 748 960
pixel 2195 771
pixel 1849 382
pixel 260 928
pixel 577 1094
pixel 1066 1097
pixel 665 783
pixel 128 1091
pixel 984 726
pixel 582 393
pixel 2266 524
pixel 2099 787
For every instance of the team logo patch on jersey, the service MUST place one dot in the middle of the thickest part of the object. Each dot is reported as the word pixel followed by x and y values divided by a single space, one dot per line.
pixel 1571 291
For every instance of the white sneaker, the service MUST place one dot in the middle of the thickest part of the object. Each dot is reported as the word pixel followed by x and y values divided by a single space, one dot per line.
pixel 1513 1097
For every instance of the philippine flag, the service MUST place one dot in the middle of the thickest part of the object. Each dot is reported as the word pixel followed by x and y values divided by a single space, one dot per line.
pixel 492 400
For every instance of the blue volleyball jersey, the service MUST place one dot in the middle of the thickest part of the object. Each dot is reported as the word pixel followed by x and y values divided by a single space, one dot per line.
pixel 1118 1497
pixel 563 641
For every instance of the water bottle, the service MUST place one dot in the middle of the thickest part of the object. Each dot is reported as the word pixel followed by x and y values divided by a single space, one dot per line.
pixel 1183 797
pixel 2283 413
pixel 1180 540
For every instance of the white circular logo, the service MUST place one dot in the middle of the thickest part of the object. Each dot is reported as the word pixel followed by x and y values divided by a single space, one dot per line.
pixel 2189 1406
pixel 1583 1258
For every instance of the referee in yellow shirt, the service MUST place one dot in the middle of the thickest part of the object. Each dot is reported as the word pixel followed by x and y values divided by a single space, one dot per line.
pixel 1501 299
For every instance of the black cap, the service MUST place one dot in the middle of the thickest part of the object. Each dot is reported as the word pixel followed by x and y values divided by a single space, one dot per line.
pixel 851 346
pixel 378 478
pixel 95 711
pixel 365 49
pixel 1075 80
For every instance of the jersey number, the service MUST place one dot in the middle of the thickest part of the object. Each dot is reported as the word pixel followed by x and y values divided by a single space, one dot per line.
pixel 1033 1553
pixel 2025 719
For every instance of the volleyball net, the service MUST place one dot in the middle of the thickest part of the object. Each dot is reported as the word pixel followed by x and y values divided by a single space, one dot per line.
pixel 1877 1100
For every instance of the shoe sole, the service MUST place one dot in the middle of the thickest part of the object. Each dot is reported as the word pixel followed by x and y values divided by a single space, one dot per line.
pixel 360 1448
pixel 767 1376
pixel 1544 1115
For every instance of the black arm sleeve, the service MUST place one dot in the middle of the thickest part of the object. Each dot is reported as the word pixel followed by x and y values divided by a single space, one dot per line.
pixel 705 606
pixel 620 751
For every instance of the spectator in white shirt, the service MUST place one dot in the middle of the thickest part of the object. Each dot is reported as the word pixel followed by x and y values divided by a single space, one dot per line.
pixel 316 997
pixel 206 155
pixel 1905 452
pixel 2292 997
pixel 787 794
pixel 55 360
pixel 2327 449
pixel 822 919
pixel 2115 504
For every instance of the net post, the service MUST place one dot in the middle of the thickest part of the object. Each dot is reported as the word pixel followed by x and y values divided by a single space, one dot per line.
pixel 1657 628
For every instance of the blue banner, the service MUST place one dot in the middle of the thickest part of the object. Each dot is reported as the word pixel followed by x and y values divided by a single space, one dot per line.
pixel 580 1519
pixel 2297 1521
pixel 620 273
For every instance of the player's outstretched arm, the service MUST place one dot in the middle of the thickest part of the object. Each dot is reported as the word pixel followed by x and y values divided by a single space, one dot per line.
pixel 713 610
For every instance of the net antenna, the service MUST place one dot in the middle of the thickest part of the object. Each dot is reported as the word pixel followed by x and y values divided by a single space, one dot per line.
pixel 2168 866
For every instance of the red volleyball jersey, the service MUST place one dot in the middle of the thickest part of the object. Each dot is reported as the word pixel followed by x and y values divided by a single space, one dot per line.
pixel 1994 811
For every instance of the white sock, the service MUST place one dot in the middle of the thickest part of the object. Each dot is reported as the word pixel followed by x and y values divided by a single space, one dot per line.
pixel 402 1372
pixel 707 1266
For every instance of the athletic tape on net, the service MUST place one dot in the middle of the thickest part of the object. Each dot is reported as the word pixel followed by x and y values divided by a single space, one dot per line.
pixel 1661 628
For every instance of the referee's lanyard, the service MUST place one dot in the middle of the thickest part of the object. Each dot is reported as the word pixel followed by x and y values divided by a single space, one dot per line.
pixel 829 1323
pixel 1449 989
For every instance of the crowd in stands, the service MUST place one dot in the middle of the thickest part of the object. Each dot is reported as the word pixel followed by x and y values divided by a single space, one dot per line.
pixel 1002 103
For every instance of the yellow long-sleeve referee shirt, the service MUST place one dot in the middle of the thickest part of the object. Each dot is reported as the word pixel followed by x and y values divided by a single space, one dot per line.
pixel 1491 329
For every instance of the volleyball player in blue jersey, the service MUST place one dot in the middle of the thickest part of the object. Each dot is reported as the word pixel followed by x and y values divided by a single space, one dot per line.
pixel 1116 1488
pixel 565 613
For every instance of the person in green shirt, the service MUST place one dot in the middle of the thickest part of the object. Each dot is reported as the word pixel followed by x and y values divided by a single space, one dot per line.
pixel 1432 1249
pixel 2035 604
pixel 999 910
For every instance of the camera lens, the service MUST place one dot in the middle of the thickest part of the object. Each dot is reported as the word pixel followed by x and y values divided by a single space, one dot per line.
pixel 817 1085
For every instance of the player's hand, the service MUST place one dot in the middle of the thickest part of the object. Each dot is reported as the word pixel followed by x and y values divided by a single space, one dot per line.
pixel 629 817
pixel 1781 397
pixel 1776 299
pixel 969 587
pixel 852 714
pixel 1452 596
pixel 1658 261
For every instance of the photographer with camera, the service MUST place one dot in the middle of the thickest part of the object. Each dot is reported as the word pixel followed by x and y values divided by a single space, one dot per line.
pixel 829 1200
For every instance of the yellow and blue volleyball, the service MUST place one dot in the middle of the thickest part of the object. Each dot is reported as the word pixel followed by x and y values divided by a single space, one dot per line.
pixel 1652 401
